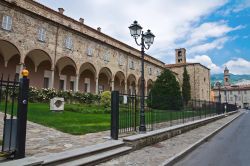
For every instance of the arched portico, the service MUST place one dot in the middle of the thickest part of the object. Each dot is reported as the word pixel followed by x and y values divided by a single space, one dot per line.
pixel 119 82
pixel 39 63
pixel 9 60
pixel 65 74
pixel 87 78
pixel 105 80
pixel 131 84
pixel 149 86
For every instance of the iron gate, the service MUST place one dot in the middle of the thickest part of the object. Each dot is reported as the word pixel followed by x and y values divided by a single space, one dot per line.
pixel 13 107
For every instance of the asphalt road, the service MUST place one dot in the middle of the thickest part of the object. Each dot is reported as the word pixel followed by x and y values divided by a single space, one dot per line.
pixel 230 147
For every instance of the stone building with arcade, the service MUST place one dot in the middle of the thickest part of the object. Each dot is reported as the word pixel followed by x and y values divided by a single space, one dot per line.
pixel 66 54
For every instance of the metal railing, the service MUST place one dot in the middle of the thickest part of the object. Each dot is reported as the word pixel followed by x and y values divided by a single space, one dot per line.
pixel 161 114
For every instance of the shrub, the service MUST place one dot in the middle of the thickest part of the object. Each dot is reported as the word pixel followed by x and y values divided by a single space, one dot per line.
pixel 106 100
pixel 44 95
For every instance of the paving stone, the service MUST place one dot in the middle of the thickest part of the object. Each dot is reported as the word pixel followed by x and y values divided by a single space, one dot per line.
pixel 43 140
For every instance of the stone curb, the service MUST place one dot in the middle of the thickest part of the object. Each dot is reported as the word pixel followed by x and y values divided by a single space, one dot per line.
pixel 182 154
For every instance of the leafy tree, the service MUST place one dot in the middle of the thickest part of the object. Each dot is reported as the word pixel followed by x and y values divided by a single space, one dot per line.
pixel 165 93
pixel 186 88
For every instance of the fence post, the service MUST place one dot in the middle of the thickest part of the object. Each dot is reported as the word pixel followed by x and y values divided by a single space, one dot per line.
pixel 22 116
pixel 114 114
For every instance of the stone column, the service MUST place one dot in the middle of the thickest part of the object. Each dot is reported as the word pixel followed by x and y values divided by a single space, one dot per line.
pixel 96 85
pixel 77 83
pixel 112 84
pixel 126 87
pixel 52 78
pixel 137 89
pixel 20 70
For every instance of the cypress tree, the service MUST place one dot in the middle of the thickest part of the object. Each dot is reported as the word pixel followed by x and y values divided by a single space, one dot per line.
pixel 186 88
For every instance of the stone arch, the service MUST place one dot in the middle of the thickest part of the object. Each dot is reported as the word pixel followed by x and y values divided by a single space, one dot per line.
pixel 39 64
pixel 119 82
pixel 104 79
pixel 87 78
pixel 131 84
pixel 149 85
pixel 9 59
pixel 65 74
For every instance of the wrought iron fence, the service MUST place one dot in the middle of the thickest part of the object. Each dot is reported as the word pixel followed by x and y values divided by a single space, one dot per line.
pixel 13 105
pixel 8 105
pixel 129 113
pixel 162 113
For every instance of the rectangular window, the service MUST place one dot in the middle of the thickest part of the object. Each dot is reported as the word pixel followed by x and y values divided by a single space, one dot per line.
pixel 7 23
pixel 46 82
pixel 69 43
pixel 106 57
pixel 61 85
pixel 41 34
pixel 150 71
pixel 90 52
pixel 245 92
pixel 231 92
pixel 120 61
pixel 131 65
pixel 71 85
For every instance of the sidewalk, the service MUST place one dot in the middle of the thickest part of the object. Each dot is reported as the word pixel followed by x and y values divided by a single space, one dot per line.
pixel 156 154
pixel 43 140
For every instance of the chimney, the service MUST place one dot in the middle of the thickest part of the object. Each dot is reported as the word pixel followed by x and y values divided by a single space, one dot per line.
pixel 99 29
pixel 61 10
pixel 81 20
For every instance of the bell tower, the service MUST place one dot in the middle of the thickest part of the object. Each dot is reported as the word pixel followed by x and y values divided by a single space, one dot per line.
pixel 226 77
pixel 180 55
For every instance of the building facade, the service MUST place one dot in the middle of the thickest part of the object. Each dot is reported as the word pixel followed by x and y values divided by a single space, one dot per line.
pixel 232 94
pixel 66 54
pixel 199 75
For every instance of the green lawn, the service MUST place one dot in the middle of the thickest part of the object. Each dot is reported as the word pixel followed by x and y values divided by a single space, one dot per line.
pixel 76 123
pixel 81 119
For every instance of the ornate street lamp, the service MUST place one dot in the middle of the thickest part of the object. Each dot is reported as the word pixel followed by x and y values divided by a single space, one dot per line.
pixel 147 40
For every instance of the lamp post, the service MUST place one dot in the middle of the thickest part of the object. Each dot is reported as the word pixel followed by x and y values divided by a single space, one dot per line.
pixel 235 97
pixel 147 40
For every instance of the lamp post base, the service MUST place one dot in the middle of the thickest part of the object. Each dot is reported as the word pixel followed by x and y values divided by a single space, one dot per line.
pixel 142 129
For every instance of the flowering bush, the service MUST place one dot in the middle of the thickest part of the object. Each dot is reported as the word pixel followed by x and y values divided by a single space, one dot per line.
pixel 44 95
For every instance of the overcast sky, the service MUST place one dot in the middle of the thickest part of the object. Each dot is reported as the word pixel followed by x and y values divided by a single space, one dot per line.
pixel 214 32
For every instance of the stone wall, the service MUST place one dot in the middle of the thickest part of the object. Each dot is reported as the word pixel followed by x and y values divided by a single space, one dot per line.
pixel 199 79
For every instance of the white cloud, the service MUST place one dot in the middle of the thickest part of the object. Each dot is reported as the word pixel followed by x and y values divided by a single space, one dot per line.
pixel 210 30
pixel 206 61
pixel 236 7
pixel 215 44
pixel 169 20
pixel 238 66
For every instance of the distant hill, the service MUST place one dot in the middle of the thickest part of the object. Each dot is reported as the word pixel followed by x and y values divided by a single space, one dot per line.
pixel 235 79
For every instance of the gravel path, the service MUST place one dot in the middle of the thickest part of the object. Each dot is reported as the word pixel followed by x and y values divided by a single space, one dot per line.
pixel 156 154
